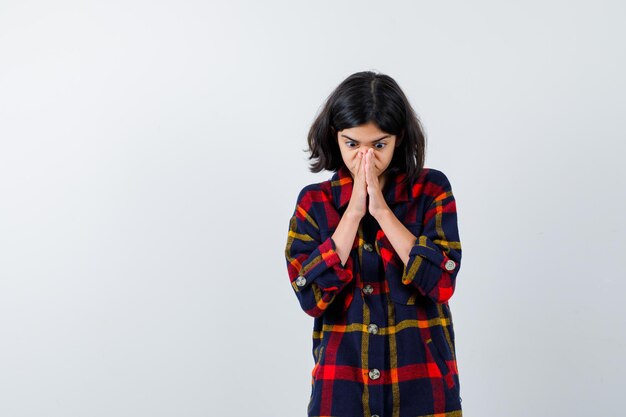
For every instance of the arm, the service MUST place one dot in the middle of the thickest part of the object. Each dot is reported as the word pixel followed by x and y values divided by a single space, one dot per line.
pixel 431 260
pixel 435 258
pixel 314 266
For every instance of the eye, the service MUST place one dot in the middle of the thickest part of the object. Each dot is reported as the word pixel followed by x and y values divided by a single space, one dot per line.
pixel 381 143
pixel 348 144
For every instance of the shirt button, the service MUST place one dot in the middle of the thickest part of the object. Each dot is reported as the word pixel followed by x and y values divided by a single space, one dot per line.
pixel 450 265
pixel 368 289
pixel 300 281
pixel 372 328
pixel 368 247
pixel 374 373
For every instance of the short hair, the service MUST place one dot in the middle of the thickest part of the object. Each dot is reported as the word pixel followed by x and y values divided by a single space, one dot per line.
pixel 365 97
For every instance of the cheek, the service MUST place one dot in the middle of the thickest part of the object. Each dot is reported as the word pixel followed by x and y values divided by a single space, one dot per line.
pixel 347 156
pixel 383 160
pixel 352 157
pixel 381 157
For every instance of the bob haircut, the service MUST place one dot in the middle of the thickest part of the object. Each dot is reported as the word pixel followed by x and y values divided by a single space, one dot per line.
pixel 361 98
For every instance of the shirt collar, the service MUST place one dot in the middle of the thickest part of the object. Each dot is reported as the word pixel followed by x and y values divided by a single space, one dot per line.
pixel 394 191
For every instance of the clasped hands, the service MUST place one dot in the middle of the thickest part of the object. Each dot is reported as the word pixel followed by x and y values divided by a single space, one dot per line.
pixel 366 183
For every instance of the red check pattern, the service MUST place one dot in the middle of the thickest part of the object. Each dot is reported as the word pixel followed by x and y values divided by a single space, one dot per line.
pixel 383 338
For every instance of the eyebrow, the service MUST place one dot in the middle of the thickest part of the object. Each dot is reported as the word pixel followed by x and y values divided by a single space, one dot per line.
pixel 376 140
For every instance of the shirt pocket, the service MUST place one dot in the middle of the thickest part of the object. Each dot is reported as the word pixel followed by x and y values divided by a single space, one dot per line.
pixel 318 362
pixel 438 357
pixel 440 352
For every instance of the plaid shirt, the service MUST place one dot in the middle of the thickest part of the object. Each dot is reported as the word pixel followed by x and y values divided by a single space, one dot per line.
pixel 383 340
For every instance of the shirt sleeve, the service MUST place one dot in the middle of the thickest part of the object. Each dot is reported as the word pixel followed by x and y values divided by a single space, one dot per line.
pixel 435 258
pixel 314 267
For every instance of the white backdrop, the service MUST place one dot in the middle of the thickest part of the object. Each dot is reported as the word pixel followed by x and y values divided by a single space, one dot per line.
pixel 151 156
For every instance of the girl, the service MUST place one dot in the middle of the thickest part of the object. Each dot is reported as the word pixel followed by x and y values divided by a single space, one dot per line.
pixel 373 254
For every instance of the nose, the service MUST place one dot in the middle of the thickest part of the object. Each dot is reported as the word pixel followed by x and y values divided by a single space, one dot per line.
pixel 368 148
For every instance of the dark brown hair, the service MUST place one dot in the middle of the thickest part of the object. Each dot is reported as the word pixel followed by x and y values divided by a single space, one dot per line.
pixel 361 98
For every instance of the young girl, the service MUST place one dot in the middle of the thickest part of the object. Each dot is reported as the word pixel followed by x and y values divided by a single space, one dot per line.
pixel 373 254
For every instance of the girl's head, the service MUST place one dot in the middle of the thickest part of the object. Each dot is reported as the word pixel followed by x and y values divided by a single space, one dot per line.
pixel 366 107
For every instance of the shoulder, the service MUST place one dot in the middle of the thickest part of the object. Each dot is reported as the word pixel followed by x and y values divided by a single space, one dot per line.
pixel 433 176
pixel 431 182
pixel 312 200
pixel 318 192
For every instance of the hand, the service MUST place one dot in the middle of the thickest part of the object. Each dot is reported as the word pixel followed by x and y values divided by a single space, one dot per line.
pixel 377 203
pixel 358 200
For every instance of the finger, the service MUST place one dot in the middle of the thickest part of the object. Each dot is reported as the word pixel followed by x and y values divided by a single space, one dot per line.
pixel 358 163
pixel 374 162
pixel 372 167
pixel 368 167
pixel 374 159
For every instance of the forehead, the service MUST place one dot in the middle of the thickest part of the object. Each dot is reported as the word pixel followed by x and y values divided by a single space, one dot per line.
pixel 364 133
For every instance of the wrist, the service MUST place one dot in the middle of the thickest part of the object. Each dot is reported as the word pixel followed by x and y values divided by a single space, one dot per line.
pixel 353 215
pixel 382 213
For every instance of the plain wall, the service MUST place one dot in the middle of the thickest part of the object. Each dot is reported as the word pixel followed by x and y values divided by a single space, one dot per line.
pixel 151 154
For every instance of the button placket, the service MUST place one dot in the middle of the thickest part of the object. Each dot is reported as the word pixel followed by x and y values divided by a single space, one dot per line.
pixel 371 270
pixel 368 289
